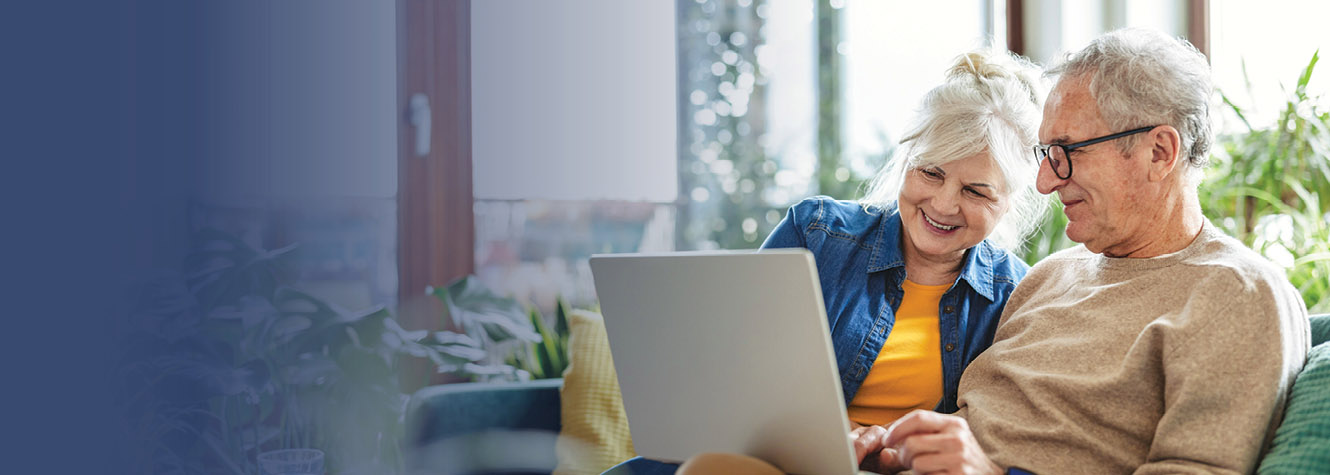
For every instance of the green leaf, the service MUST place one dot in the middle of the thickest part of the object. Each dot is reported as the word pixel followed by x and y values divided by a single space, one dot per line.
pixel 499 328
pixel 392 326
pixel 287 327
pixel 459 346
pixel 461 353
pixel 471 306
pixel 545 351
pixel 1312 258
pixel 1307 73
pixel 444 349
pixel 561 332
pixel 531 363
pixel 489 370
pixel 1236 110
pixel 560 318
pixel 296 302
pixel 454 338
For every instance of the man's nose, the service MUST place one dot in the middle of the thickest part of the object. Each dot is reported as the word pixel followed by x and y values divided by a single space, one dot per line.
pixel 1047 181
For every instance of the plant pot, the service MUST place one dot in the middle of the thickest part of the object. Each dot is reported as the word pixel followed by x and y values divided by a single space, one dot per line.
pixel 292 462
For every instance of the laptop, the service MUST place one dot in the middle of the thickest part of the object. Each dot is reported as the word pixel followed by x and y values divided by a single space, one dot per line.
pixel 726 352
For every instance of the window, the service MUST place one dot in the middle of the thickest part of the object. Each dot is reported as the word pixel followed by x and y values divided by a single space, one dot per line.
pixel 892 59
pixel 574 140
pixel 768 102
pixel 1257 69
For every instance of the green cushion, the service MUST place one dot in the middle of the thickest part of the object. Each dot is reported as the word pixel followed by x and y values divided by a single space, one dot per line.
pixel 1320 328
pixel 1302 442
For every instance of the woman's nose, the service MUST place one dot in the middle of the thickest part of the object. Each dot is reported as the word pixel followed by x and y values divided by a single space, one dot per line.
pixel 947 203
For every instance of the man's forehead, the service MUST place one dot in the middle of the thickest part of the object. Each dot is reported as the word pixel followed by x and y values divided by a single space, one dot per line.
pixel 1070 108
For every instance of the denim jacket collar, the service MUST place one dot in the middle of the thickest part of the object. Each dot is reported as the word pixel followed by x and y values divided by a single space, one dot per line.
pixel 977 270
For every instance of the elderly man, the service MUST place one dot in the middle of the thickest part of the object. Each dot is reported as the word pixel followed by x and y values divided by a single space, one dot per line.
pixel 1159 345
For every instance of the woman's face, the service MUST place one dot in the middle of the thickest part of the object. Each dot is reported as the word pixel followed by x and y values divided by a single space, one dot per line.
pixel 949 208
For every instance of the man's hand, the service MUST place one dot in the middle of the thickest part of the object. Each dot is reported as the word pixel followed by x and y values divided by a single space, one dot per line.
pixel 871 454
pixel 928 442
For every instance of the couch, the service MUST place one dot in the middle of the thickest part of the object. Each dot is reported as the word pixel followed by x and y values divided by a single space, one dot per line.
pixel 467 423
pixel 482 427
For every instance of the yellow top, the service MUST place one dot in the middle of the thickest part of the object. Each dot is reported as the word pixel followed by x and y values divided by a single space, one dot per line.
pixel 907 374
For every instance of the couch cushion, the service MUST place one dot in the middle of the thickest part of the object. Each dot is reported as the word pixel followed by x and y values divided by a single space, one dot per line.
pixel 477 428
pixel 1320 328
pixel 1301 442
pixel 449 410
pixel 595 428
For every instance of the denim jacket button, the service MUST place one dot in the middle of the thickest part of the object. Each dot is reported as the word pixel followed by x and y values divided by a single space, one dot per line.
pixel 951 346
pixel 948 309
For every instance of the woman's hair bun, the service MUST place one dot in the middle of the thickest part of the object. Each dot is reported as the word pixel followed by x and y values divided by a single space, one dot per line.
pixel 977 63
pixel 990 64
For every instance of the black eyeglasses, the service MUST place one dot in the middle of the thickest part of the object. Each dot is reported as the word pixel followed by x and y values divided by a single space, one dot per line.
pixel 1059 156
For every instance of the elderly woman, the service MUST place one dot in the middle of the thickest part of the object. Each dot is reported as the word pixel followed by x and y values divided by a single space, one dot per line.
pixel 915 276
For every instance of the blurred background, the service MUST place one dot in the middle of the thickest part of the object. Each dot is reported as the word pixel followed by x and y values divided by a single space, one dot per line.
pixel 381 196
pixel 779 100
pixel 562 129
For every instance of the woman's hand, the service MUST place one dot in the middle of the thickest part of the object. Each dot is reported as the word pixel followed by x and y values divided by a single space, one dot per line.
pixel 928 442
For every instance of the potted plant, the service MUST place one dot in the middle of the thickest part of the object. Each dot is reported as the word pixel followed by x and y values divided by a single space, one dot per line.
pixel 1269 186
pixel 234 369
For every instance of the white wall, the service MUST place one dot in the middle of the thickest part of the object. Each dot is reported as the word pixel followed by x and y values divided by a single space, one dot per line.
pixel 335 84
pixel 301 101
pixel 574 100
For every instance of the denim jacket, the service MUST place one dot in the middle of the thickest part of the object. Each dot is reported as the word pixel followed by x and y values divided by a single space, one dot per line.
pixel 861 268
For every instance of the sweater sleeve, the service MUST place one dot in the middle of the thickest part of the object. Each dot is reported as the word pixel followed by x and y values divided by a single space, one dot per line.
pixel 1228 364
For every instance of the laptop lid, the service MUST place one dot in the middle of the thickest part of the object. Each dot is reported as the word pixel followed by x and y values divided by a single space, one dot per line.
pixel 726 352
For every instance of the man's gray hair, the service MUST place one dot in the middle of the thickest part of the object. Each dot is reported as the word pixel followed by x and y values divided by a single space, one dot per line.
pixel 991 102
pixel 1141 77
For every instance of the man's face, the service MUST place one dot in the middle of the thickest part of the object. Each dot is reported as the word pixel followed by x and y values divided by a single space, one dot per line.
pixel 1106 207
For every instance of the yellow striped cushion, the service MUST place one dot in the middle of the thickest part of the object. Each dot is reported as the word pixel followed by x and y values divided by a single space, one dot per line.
pixel 595 428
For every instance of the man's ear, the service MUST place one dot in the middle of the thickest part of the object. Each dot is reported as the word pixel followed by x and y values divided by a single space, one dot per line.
pixel 1165 151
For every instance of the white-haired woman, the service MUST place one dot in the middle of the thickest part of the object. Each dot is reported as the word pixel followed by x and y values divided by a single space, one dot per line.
pixel 915 275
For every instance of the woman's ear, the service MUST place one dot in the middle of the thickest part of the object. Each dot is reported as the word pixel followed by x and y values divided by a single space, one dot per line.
pixel 1165 152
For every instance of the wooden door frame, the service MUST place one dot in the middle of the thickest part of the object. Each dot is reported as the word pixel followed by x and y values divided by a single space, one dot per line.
pixel 435 217
pixel 436 227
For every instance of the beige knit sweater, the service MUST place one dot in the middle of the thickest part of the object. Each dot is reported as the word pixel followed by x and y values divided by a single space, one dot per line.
pixel 1174 364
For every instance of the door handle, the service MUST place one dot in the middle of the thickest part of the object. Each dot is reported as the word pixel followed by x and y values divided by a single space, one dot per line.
pixel 420 119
